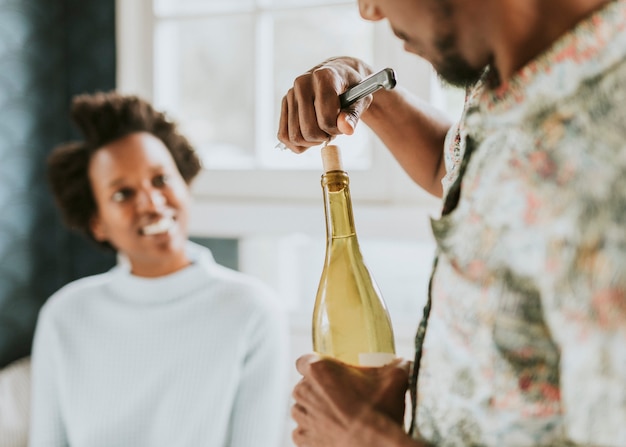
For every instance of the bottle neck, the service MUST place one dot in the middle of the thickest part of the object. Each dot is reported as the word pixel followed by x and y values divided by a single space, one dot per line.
pixel 338 205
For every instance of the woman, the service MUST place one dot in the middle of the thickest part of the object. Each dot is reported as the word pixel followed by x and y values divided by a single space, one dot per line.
pixel 168 348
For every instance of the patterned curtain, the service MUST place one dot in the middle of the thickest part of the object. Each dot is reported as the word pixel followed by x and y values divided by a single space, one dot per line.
pixel 49 51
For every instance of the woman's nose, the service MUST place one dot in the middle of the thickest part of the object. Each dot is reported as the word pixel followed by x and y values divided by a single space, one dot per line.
pixel 150 199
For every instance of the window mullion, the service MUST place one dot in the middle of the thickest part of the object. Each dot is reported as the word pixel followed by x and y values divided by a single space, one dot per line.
pixel 264 85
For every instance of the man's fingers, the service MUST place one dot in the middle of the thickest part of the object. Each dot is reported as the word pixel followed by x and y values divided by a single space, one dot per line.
pixel 303 363
pixel 306 396
pixel 299 414
pixel 293 120
pixel 286 129
pixel 313 118
pixel 299 437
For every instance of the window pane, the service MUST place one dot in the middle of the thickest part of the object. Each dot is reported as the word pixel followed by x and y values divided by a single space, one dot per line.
pixel 184 7
pixel 209 86
pixel 296 3
pixel 454 100
pixel 448 98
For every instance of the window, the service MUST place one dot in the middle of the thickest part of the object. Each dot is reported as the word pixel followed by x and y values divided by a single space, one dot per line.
pixel 221 67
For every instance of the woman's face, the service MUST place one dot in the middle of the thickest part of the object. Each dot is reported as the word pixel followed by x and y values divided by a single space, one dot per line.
pixel 142 203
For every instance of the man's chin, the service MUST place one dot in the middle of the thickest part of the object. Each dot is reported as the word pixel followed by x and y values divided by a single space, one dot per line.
pixel 456 72
pixel 459 79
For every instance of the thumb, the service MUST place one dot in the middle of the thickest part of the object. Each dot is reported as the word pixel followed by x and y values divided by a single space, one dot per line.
pixel 347 121
pixel 303 363
pixel 403 364
pixel 350 116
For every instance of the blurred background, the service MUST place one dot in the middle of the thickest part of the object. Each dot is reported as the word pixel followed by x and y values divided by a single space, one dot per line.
pixel 49 51
pixel 219 68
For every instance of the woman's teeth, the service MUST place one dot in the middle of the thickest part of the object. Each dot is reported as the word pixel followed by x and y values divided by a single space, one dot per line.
pixel 161 226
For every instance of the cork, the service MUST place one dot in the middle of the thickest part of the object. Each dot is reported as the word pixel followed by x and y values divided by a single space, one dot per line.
pixel 331 158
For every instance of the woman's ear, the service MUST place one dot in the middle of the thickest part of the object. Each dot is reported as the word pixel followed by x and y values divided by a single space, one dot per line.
pixel 97 228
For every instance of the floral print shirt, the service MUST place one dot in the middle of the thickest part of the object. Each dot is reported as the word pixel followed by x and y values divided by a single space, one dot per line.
pixel 526 339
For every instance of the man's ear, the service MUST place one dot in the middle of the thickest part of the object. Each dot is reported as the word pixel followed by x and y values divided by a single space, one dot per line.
pixel 97 228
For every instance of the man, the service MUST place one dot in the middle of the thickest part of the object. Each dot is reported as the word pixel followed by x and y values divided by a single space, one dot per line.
pixel 524 337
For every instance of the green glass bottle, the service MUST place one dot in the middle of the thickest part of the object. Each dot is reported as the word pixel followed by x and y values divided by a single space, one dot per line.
pixel 350 318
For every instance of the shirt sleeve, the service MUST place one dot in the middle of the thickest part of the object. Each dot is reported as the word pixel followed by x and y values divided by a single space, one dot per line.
pixel 46 426
pixel 261 404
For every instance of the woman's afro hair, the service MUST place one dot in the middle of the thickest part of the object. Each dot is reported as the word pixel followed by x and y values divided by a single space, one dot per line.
pixel 101 118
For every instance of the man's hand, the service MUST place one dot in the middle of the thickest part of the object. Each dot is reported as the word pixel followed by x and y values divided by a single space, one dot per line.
pixel 310 111
pixel 341 405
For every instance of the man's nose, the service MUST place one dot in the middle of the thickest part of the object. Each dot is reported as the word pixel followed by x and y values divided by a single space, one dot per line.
pixel 369 11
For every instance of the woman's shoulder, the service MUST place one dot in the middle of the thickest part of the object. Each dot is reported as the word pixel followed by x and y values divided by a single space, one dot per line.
pixel 238 292
pixel 242 286
pixel 72 294
pixel 227 278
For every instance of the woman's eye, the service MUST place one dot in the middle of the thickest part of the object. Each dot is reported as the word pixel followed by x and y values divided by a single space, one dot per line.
pixel 160 180
pixel 121 195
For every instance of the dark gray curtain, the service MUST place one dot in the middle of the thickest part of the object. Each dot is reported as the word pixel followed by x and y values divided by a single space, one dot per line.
pixel 49 51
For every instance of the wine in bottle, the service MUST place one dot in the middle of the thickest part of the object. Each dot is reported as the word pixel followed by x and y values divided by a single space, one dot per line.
pixel 350 318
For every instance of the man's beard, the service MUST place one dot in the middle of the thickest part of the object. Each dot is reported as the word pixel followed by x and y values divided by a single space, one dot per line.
pixel 453 68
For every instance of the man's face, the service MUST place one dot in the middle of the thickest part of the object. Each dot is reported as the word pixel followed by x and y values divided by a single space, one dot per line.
pixel 451 66
pixel 431 29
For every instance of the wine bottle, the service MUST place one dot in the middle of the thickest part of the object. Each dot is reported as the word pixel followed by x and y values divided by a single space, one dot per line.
pixel 350 319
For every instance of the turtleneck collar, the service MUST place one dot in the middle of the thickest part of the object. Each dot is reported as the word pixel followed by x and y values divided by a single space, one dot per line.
pixel 163 288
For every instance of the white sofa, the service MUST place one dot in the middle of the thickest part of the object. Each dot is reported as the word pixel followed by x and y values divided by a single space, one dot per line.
pixel 15 403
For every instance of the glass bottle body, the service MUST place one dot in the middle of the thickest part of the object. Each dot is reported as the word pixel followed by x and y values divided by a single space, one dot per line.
pixel 350 319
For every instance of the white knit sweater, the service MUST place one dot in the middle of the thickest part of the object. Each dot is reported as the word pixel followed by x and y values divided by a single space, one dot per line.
pixel 195 358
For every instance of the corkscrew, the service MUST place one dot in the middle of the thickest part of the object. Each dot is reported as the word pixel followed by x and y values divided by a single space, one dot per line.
pixel 385 78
